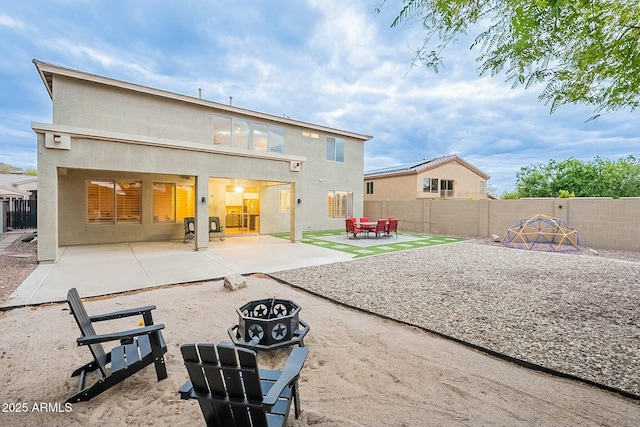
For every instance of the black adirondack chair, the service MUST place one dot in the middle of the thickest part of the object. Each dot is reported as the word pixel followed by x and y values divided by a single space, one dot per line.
pixel 232 391
pixel 138 348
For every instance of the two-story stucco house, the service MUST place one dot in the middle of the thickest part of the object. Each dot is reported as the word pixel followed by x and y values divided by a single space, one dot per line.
pixel 446 177
pixel 122 162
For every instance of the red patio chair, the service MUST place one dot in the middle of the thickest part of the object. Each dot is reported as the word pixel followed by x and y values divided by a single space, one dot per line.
pixel 380 228
pixel 392 227
pixel 347 224
pixel 352 228
pixel 365 227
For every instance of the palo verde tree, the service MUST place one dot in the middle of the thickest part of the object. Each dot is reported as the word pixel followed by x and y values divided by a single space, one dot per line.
pixel 598 178
pixel 581 51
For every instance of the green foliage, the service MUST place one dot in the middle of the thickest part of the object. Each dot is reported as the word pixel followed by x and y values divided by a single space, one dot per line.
pixel 582 51
pixel 564 194
pixel 574 178
pixel 510 195
pixel 31 172
pixel 4 168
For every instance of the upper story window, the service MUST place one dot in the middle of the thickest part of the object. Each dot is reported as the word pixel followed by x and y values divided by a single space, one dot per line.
pixel 309 134
pixel 276 139
pixel 483 186
pixel 242 133
pixel 221 130
pixel 370 187
pixel 335 149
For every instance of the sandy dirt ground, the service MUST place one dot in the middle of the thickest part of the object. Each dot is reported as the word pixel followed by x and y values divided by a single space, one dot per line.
pixel 362 370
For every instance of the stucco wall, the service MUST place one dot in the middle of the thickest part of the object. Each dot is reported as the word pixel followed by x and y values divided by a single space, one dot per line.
pixel 96 106
pixel 600 222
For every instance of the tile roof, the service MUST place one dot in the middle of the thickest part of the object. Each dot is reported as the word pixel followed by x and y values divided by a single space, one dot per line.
pixel 421 166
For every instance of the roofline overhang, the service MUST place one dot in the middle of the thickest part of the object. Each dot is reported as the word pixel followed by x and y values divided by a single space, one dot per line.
pixel 7 191
pixel 47 71
pixel 428 166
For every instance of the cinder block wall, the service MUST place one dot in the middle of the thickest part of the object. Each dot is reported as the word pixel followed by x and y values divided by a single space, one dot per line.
pixel 600 222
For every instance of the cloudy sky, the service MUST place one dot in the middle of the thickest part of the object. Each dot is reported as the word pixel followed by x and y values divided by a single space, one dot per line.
pixel 328 62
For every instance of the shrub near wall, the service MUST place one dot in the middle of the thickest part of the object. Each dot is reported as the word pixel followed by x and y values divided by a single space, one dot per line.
pixel 600 222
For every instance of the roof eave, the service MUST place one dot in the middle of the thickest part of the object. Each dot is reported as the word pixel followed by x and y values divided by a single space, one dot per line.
pixel 47 71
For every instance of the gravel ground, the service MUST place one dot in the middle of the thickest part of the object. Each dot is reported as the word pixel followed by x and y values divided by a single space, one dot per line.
pixel 578 313
pixel 575 313
pixel 13 270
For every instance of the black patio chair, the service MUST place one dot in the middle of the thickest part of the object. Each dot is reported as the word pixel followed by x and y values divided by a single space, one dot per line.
pixel 189 228
pixel 215 228
pixel 232 391
pixel 138 348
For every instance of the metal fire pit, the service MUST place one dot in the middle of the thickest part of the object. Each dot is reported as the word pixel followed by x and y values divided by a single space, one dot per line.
pixel 267 324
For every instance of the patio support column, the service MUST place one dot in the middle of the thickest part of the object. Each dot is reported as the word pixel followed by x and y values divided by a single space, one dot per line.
pixel 295 227
pixel 202 212
pixel 47 207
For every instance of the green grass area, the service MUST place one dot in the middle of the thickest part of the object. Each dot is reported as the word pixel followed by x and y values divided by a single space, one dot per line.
pixel 372 246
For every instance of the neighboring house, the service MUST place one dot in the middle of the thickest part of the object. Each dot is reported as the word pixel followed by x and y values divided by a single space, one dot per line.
pixel 18 186
pixel 123 162
pixel 446 177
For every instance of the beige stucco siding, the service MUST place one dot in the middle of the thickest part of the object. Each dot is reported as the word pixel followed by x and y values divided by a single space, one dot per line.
pixel 466 182
pixel 402 187
pixel 409 186
pixel 96 106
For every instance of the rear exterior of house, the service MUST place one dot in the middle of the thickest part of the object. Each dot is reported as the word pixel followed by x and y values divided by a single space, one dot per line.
pixel 446 177
pixel 123 162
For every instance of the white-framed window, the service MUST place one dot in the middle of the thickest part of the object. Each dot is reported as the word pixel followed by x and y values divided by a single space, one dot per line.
pixel 446 188
pixel 185 201
pixel 221 130
pixel 285 200
pixel 340 204
pixel 240 137
pixel 246 134
pixel 172 203
pixel 309 134
pixel 276 139
pixel 429 185
pixel 335 149
pixel 260 137
pixel 164 202
pixel 483 187
pixel 113 201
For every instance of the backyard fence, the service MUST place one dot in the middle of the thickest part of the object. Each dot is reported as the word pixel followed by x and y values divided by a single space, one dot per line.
pixel 21 214
pixel 601 222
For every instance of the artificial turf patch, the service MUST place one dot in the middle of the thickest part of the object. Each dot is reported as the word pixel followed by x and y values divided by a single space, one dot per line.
pixel 385 246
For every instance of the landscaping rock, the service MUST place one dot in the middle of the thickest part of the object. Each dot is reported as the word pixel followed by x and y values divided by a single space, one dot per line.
pixel 235 282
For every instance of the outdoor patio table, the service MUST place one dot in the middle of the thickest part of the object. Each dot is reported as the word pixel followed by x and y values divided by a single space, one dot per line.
pixel 368 226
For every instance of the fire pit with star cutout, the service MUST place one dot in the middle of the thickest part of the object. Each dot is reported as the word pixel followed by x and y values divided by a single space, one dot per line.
pixel 267 324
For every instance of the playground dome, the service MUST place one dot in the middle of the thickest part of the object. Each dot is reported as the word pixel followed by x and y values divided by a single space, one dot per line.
pixel 542 233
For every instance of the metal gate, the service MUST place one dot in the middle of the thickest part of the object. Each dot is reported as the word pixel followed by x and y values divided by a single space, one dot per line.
pixel 22 214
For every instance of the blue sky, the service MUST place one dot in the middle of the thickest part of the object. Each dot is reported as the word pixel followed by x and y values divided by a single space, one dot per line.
pixel 328 62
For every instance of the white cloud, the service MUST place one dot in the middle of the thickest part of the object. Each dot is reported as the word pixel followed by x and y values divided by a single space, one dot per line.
pixel 10 22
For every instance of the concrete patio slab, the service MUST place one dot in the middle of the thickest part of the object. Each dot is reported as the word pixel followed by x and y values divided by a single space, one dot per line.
pixel 105 269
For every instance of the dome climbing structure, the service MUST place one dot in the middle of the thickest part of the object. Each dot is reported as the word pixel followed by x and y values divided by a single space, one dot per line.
pixel 542 233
